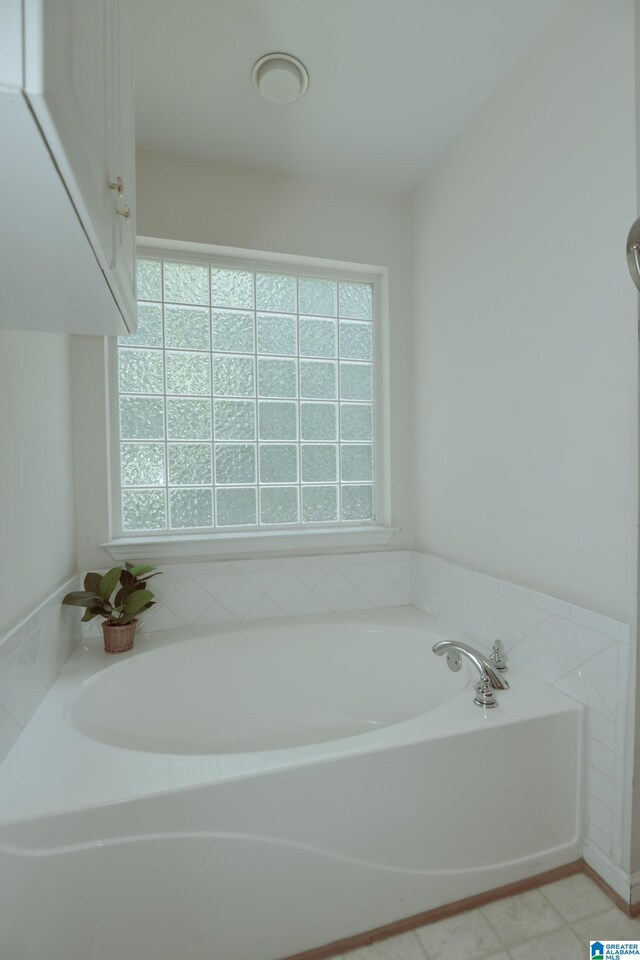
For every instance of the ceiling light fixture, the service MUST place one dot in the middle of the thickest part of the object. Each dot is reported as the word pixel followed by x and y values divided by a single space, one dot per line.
pixel 280 78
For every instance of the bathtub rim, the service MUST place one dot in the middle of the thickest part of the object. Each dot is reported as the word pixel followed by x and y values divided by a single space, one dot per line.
pixel 83 773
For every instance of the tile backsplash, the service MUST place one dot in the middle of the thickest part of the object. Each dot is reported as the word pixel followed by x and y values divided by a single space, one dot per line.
pixel 208 594
pixel 32 654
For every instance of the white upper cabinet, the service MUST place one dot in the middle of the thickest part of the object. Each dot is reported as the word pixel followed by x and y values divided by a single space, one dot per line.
pixel 71 157
pixel 124 164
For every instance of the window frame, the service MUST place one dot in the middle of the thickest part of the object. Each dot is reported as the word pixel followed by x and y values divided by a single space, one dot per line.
pixel 214 541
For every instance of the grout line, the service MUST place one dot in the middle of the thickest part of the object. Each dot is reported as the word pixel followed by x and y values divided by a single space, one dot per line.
pixel 535 936
pixel 421 945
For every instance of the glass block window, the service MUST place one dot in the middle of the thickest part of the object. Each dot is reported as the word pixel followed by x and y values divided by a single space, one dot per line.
pixel 246 399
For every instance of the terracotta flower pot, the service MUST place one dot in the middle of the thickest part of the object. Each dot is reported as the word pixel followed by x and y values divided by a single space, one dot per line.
pixel 118 637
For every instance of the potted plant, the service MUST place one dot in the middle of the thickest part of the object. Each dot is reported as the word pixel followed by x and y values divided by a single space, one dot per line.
pixel 131 597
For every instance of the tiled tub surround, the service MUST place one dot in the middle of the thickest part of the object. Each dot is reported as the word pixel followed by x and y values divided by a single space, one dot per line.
pixel 579 652
pixel 211 594
pixel 32 654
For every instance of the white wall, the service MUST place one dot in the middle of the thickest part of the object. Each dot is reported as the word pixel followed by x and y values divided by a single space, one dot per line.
pixel 36 471
pixel 525 349
pixel 207 202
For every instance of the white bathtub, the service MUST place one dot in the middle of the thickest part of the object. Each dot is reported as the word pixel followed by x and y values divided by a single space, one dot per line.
pixel 259 792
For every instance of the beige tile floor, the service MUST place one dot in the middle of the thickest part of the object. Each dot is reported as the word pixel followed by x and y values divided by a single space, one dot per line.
pixel 556 921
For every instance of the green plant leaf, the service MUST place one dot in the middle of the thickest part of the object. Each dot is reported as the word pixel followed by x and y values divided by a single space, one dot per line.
pixel 79 598
pixel 137 601
pixel 92 612
pixel 120 597
pixel 139 568
pixel 127 590
pixel 129 584
pixel 92 582
pixel 109 582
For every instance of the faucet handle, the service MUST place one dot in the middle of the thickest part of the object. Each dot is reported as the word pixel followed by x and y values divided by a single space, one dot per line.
pixel 485 697
pixel 498 657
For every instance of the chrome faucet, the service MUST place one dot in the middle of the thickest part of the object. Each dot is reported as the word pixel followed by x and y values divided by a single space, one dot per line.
pixel 498 656
pixel 489 680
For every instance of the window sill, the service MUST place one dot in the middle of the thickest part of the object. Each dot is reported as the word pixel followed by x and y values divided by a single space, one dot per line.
pixel 223 545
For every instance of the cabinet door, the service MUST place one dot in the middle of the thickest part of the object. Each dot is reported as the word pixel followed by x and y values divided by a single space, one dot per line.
pixel 49 276
pixel 123 164
pixel 69 65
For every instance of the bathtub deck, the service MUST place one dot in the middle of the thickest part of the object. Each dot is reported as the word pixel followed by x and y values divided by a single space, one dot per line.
pixel 81 773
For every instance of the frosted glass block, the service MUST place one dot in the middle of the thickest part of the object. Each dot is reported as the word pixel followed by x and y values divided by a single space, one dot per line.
pixel 144 510
pixel 319 503
pixel 188 419
pixel 186 328
pixel 186 283
pixel 318 421
pixel 279 505
pixel 277 378
pixel 319 463
pixel 277 334
pixel 356 382
pixel 357 502
pixel 317 297
pixel 356 421
pixel 356 300
pixel 188 373
pixel 318 379
pixel 190 508
pixel 141 418
pixel 149 332
pixel 317 337
pixel 189 464
pixel 142 464
pixel 140 371
pixel 357 461
pixel 278 463
pixel 236 507
pixel 235 463
pixel 233 377
pixel 234 420
pixel 148 279
pixel 356 340
pixel 231 288
pixel 276 292
pixel 232 332
pixel 278 420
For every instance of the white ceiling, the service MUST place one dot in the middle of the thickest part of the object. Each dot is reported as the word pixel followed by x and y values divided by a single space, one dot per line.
pixel 391 81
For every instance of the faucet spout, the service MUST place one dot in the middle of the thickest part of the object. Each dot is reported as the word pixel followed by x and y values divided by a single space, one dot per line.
pixel 480 662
